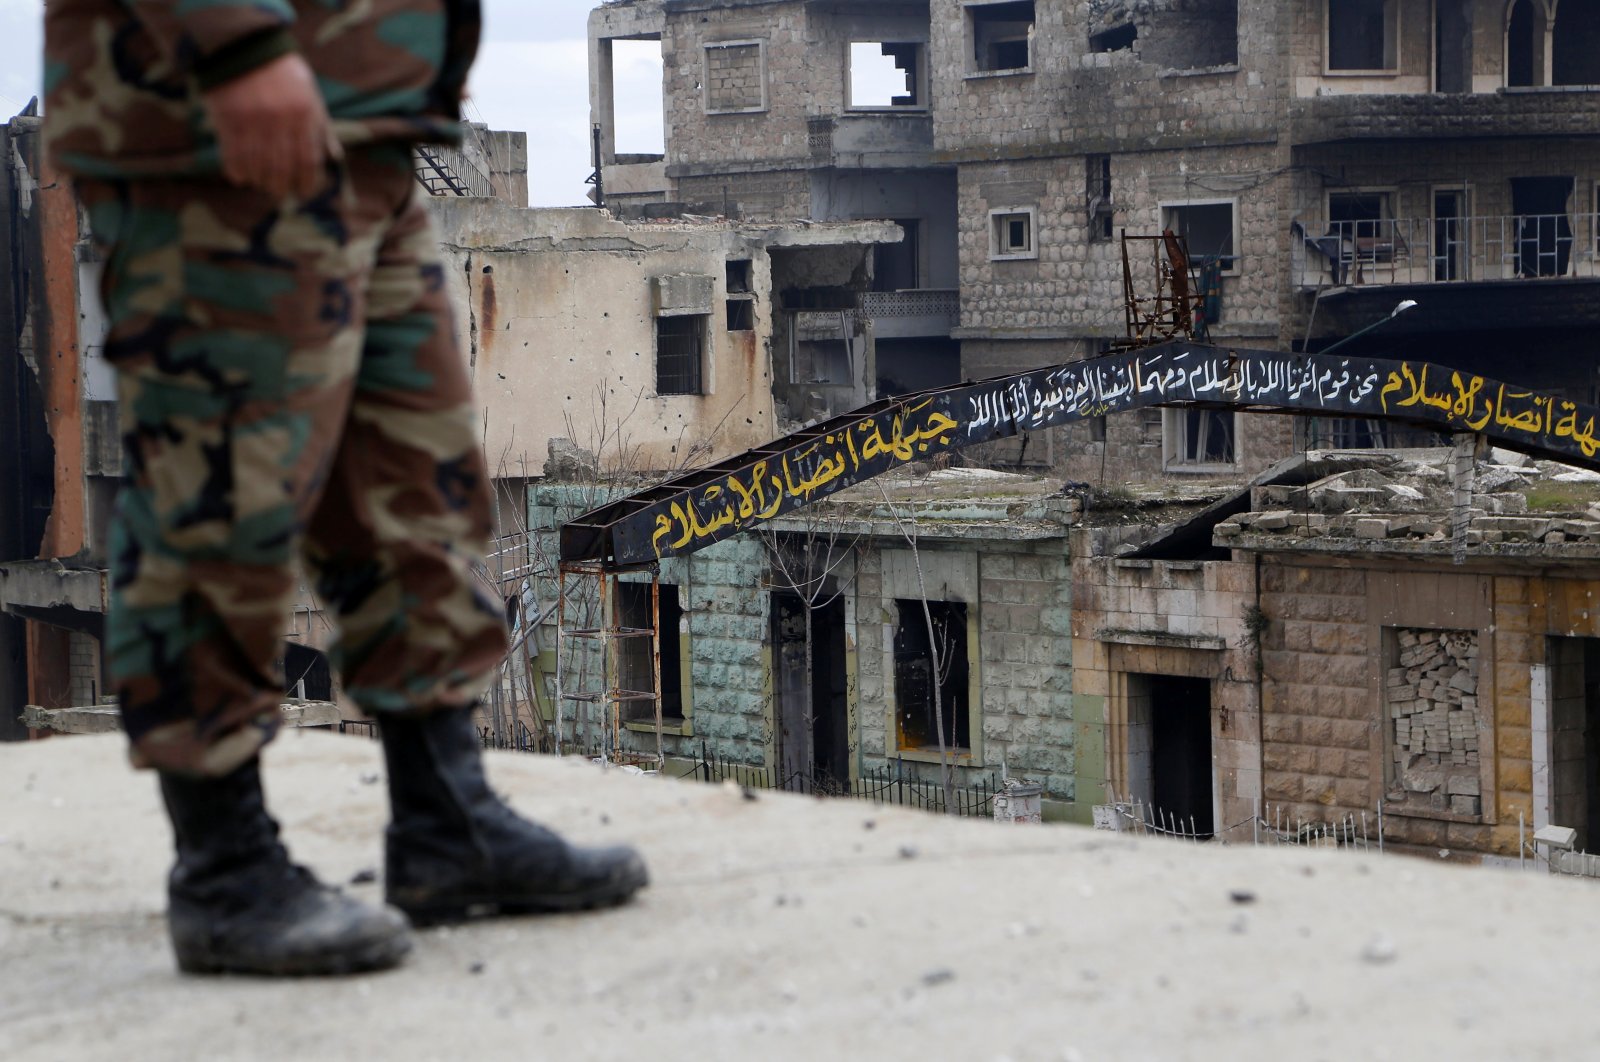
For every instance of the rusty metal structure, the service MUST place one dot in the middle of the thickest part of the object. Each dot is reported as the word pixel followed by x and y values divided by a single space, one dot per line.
pixel 1166 309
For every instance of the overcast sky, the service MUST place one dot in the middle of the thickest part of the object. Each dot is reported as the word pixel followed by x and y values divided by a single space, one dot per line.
pixel 532 75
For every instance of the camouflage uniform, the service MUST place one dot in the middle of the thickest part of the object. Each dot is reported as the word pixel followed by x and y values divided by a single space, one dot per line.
pixel 289 382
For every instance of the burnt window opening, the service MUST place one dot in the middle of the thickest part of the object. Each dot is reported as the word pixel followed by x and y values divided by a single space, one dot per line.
pixel 741 315
pixel 920 664
pixel 1001 36
pixel 1116 39
pixel 885 74
pixel 680 354
pixel 635 657
pixel 739 276
pixel 1361 34
pixel 1097 196
pixel 1575 45
pixel 894 265
pixel 1208 229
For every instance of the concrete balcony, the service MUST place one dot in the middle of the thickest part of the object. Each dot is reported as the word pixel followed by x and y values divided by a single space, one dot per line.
pixel 1519 248
pixel 1564 111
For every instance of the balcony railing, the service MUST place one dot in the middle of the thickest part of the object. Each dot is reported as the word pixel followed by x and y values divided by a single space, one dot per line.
pixel 917 302
pixel 1445 250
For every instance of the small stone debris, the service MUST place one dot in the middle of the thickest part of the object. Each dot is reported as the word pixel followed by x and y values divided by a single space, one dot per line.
pixel 748 793
pixel 364 876
pixel 605 820
pixel 870 824
pixel 1380 950
pixel 371 778
pixel 943 975
pixel 476 968
pixel 908 851
pixel 1242 896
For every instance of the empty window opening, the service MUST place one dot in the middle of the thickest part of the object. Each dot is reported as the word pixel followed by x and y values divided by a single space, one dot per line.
pixel 894 265
pixel 1097 429
pixel 739 276
pixel 680 354
pixel 1361 34
pixel 1198 438
pixel 1525 31
pixel 637 107
pixel 1115 39
pixel 1359 215
pixel 885 74
pixel 1449 233
pixel 923 664
pixel 1011 234
pixel 1208 230
pixel 741 315
pixel 636 654
pixel 1001 36
pixel 1452 46
pixel 1575 44
pixel 1097 196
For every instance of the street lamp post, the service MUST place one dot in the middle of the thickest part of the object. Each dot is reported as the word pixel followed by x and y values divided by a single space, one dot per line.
pixel 1401 307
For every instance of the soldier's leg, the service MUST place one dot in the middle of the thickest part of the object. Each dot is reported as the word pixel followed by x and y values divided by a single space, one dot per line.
pixel 399 542
pixel 231 329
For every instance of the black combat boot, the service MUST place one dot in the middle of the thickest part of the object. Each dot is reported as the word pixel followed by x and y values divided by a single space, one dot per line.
pixel 236 904
pixel 455 850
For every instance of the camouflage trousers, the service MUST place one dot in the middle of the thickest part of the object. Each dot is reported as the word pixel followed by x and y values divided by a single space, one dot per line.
pixel 290 392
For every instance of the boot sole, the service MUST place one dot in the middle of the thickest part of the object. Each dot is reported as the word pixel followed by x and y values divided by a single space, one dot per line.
pixel 367 958
pixel 456 909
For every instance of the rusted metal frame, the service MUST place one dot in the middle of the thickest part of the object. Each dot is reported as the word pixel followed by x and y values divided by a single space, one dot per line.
pixel 707 506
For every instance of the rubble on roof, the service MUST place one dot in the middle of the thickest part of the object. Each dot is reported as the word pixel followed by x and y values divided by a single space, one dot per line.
pixel 1407 503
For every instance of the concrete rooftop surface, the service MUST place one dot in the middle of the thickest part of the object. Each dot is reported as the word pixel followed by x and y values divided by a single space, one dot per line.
pixel 788 927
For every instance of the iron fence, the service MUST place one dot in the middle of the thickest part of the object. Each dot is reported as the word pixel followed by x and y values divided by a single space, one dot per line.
pixel 880 785
pixel 1446 249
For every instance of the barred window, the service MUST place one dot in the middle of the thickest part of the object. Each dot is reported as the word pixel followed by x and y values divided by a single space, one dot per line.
pixel 680 354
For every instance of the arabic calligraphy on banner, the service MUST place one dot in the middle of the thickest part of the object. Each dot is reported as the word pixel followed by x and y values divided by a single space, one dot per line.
pixel 698 510
pixel 788 480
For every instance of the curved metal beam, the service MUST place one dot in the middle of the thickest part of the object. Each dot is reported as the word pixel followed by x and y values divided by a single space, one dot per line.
pixel 720 500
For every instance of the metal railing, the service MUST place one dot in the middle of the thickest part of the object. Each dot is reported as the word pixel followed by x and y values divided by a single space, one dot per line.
pixel 915 302
pixel 1445 249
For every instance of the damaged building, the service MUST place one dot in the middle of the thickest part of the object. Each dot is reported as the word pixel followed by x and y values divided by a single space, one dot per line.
pixel 1327 161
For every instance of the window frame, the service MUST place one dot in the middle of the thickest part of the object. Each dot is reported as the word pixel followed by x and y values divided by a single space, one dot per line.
pixel 1169 220
pixel 705 75
pixel 1175 441
pixel 997 217
pixel 956 574
pixel 1392 39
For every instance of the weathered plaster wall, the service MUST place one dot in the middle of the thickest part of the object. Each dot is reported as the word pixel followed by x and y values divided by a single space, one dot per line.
pixel 559 323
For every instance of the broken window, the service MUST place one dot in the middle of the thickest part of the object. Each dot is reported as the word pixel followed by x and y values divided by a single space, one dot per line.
pixel 1525 26
pixel 1114 39
pixel 735 77
pixel 1011 233
pixel 885 74
pixel 923 664
pixel 741 315
pixel 1209 229
pixel 680 354
pixel 1198 439
pixel 1001 36
pixel 636 654
pixel 1452 46
pixel 1575 45
pixel 738 273
pixel 1097 196
pixel 1362 35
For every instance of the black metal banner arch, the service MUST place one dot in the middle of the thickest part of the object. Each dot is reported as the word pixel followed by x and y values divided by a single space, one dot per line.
pixel 712 503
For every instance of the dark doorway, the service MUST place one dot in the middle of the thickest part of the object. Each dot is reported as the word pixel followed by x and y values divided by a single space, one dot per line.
pixel 1575 738
pixel 306 674
pixel 1524 45
pixel 812 714
pixel 1449 233
pixel 1452 46
pixel 894 265
pixel 1575 47
pixel 1180 750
